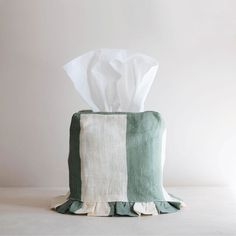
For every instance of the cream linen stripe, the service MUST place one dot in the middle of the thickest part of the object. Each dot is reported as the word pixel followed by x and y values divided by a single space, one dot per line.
pixel 103 157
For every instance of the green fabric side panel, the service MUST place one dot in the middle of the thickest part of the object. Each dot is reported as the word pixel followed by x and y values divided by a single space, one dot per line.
pixel 76 205
pixel 64 208
pixel 69 207
pixel 177 205
pixel 143 143
pixel 122 209
pixel 125 209
pixel 165 207
pixel 74 159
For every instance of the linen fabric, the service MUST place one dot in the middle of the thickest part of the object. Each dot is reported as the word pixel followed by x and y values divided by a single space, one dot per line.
pixel 116 165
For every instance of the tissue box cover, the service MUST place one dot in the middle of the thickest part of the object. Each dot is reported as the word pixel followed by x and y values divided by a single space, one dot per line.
pixel 116 165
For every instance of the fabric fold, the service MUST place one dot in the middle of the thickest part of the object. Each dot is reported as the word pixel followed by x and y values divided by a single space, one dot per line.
pixel 145 208
pixel 116 165
pixel 73 206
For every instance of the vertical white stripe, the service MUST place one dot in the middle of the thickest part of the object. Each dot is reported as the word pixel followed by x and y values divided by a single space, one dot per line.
pixel 94 209
pixel 103 157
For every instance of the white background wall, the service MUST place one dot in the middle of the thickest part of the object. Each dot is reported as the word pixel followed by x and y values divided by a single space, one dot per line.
pixel 194 42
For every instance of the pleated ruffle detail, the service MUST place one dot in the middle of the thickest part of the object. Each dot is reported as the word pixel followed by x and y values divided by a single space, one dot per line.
pixel 66 205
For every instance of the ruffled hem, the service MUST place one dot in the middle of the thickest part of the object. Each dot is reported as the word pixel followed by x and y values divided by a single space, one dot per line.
pixel 66 205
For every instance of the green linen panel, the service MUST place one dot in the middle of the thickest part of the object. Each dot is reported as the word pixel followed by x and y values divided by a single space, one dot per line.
pixel 143 143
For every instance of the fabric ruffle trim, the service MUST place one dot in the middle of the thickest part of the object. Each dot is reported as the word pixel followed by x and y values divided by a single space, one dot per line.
pixel 66 205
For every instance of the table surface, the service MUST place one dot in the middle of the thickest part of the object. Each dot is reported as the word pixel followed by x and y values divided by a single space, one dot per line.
pixel 210 211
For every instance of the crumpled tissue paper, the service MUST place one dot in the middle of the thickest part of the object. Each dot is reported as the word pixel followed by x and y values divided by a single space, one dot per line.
pixel 113 80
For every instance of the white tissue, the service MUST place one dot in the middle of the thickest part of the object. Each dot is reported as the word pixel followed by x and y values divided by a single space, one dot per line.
pixel 112 79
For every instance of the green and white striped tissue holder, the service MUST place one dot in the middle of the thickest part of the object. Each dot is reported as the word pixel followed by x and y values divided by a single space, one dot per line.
pixel 116 166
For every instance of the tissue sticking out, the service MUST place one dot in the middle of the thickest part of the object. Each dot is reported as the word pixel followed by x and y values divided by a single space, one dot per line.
pixel 113 80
